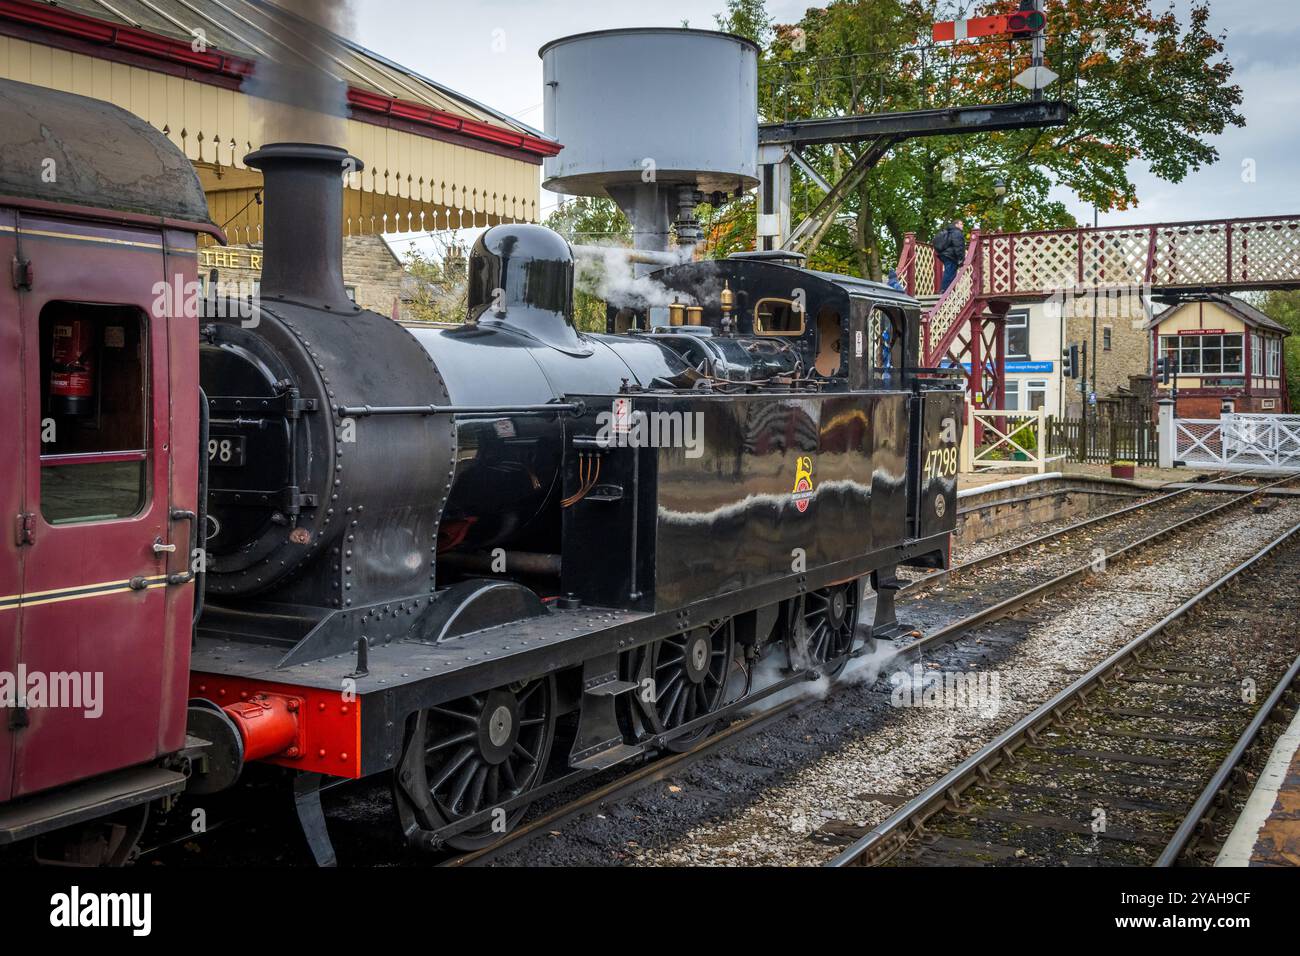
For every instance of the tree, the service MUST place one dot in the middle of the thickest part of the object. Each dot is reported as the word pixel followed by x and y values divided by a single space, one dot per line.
pixel 1146 86
pixel 748 19
pixel 1284 307
pixel 436 283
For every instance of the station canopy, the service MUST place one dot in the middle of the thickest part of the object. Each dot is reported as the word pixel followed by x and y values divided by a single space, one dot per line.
pixel 434 159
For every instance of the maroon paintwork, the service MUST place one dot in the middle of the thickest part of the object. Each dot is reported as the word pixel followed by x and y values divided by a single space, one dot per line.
pixel 12 468
pixel 138 639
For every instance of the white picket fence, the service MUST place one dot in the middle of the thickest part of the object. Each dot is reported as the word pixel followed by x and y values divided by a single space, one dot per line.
pixel 1238 442
pixel 1007 434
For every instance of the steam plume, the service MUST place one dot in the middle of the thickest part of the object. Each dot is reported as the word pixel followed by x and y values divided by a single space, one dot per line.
pixel 299 90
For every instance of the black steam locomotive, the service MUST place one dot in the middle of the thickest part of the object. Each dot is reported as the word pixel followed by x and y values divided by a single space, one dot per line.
pixel 489 557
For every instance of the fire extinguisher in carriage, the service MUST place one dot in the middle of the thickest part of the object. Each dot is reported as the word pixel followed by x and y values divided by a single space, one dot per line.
pixel 72 372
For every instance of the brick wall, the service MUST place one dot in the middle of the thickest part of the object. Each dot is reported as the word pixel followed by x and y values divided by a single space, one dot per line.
pixel 1201 406
pixel 369 268
pixel 1129 354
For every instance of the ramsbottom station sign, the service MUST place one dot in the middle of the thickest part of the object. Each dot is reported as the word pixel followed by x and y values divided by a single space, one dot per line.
pixel 229 259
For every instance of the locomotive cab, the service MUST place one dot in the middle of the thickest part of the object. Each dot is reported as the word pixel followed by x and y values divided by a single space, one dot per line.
pixel 839 332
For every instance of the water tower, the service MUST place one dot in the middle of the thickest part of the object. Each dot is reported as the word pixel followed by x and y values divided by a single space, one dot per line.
pixel 656 119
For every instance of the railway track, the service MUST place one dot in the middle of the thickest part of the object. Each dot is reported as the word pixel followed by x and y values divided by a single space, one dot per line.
pixel 989 612
pixel 1058 534
pixel 948 604
pixel 1125 765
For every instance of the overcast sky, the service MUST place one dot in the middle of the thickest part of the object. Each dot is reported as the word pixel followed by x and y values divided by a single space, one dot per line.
pixel 487 49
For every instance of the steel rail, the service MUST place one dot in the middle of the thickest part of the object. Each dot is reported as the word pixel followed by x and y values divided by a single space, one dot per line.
pixel 958 569
pixel 436 840
pixel 891 835
pixel 1201 807
pixel 628 784
pixel 1012 604
pixel 659 767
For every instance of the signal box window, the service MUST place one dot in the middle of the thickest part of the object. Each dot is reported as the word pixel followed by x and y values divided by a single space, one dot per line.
pixel 94 412
pixel 777 317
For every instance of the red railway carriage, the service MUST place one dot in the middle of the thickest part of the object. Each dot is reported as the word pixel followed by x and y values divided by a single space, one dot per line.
pixel 99 467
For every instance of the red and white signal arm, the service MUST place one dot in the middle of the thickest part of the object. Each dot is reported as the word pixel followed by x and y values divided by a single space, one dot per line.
pixel 1022 21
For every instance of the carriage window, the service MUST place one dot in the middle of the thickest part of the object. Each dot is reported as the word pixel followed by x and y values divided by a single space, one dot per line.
pixel 777 317
pixel 94 412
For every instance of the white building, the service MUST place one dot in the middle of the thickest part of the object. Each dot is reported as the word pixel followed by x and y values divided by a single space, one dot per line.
pixel 1033 349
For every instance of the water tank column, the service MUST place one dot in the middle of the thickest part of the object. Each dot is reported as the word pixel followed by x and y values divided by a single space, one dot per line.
pixel 687 226
pixel 656 142
pixel 646 206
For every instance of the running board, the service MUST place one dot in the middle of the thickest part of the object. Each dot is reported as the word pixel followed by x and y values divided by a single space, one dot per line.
pixel 32 816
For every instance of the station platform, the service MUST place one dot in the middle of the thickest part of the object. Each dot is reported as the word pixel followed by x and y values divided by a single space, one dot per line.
pixel 1268 831
pixel 1235 489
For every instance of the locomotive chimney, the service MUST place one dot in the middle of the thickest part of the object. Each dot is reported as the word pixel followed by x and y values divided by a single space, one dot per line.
pixel 302 233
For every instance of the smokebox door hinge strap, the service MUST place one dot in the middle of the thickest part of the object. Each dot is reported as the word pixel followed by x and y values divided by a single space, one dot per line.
pixel 295 405
pixel 286 403
pixel 292 500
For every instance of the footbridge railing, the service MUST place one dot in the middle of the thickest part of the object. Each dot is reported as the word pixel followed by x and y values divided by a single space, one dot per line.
pixel 1222 255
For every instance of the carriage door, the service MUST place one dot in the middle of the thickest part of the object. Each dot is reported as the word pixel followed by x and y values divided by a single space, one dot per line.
pixel 96 532
pixel 11 496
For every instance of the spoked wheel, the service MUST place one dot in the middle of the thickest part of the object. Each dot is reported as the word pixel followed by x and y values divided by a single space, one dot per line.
pixel 830 617
pixel 682 678
pixel 475 754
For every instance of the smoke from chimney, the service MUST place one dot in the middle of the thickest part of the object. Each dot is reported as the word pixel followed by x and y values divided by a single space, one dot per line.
pixel 300 94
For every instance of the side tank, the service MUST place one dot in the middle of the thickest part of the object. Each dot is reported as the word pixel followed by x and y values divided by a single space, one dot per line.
pixel 520 347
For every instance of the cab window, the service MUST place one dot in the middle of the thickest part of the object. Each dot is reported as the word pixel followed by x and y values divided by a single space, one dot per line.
pixel 93 426
pixel 777 317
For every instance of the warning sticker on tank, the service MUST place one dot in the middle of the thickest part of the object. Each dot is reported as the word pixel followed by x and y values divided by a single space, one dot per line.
pixel 622 415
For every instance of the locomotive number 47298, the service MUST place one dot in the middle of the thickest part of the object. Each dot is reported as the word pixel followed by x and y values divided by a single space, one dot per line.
pixel 941 463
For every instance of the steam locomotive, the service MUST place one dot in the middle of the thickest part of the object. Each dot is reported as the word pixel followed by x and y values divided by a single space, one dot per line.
pixel 482 559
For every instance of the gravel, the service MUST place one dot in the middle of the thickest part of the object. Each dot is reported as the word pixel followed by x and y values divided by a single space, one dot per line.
pixel 854 757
